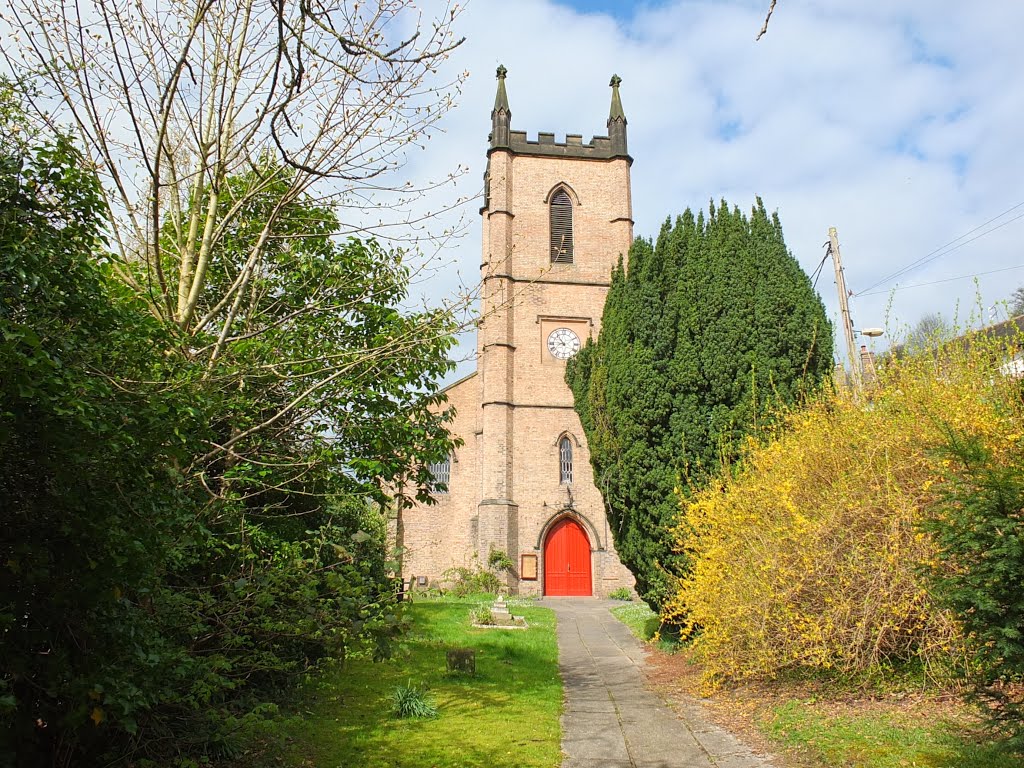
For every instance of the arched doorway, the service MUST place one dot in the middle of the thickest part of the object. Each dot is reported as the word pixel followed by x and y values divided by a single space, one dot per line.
pixel 567 560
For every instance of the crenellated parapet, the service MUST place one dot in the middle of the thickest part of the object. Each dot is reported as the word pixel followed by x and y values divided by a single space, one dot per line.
pixel 502 136
pixel 598 148
pixel 505 140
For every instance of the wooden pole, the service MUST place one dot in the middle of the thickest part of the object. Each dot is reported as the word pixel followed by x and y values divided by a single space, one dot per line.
pixel 844 309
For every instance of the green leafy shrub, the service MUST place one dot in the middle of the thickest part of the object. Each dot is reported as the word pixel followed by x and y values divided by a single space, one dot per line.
pixel 482 615
pixel 498 561
pixel 622 593
pixel 154 596
pixel 979 530
pixel 93 428
pixel 409 701
pixel 464 581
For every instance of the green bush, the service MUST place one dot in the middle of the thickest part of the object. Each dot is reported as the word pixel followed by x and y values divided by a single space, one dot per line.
pixel 464 581
pixel 93 426
pixel 705 332
pixel 149 608
pixel 498 561
pixel 980 572
pixel 622 593
pixel 482 615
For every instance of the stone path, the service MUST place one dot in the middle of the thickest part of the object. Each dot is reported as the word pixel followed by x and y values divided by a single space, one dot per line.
pixel 611 720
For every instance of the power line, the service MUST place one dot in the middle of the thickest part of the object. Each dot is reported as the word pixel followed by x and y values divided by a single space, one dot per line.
pixel 942 250
pixel 817 272
pixel 944 280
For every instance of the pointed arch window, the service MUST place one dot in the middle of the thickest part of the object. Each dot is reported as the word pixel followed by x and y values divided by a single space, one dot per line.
pixel 565 461
pixel 441 471
pixel 561 228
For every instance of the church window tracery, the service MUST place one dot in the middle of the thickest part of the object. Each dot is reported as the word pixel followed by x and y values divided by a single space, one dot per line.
pixel 442 473
pixel 565 461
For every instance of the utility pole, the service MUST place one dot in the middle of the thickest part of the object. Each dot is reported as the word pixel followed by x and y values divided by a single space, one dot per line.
pixel 844 308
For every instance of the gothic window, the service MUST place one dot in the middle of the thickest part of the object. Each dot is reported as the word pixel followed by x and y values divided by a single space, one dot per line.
pixel 442 473
pixel 561 228
pixel 565 461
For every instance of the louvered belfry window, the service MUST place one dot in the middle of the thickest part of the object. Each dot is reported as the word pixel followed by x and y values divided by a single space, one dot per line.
pixel 561 228
pixel 565 461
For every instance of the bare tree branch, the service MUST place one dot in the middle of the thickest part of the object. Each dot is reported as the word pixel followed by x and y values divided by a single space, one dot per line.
pixel 764 27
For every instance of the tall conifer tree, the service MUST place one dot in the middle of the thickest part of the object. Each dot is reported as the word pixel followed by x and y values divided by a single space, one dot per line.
pixel 704 333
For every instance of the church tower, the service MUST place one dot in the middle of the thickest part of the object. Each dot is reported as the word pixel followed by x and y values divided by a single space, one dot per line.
pixel 556 217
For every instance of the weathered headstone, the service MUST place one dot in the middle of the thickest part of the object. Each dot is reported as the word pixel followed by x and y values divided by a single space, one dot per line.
pixel 462 660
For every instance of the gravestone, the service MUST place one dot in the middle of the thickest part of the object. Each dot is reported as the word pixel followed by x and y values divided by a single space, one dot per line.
pixel 462 660
pixel 500 610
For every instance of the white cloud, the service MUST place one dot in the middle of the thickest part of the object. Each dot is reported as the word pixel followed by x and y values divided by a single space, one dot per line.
pixel 896 123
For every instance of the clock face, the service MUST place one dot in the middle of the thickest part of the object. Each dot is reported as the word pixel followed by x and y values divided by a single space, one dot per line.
pixel 563 343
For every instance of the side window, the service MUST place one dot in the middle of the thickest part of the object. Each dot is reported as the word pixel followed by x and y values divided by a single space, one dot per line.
pixel 442 472
pixel 565 461
pixel 561 228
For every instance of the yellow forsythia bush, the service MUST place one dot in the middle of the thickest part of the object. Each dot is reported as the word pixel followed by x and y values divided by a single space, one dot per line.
pixel 809 552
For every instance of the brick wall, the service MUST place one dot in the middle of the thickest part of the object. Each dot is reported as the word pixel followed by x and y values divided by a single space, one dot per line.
pixel 505 491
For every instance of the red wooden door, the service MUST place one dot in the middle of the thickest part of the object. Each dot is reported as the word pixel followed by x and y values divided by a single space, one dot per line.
pixel 567 560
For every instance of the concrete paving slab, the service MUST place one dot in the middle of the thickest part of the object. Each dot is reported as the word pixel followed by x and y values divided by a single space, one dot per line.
pixel 592 706
pixel 605 746
pixel 618 678
pixel 573 762
pixel 611 719
pixel 719 741
pixel 658 713
pixel 651 743
pixel 635 702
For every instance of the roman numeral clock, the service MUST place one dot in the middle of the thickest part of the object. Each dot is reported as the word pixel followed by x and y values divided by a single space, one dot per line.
pixel 563 343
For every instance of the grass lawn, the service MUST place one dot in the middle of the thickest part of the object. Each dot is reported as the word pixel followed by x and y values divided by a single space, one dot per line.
pixel 505 715
pixel 821 725
pixel 644 623
pixel 641 620
pixel 885 738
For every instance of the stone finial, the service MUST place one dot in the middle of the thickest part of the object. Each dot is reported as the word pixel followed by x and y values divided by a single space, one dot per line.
pixel 501 115
pixel 501 98
pixel 616 113
pixel 617 121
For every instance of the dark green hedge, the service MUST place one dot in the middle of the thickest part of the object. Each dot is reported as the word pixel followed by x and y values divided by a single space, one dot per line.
pixel 704 333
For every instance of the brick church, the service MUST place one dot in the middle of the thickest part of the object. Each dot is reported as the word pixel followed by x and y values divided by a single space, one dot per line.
pixel 556 217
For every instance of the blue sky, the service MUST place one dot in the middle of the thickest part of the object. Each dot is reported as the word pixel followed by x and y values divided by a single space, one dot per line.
pixel 620 9
pixel 897 123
